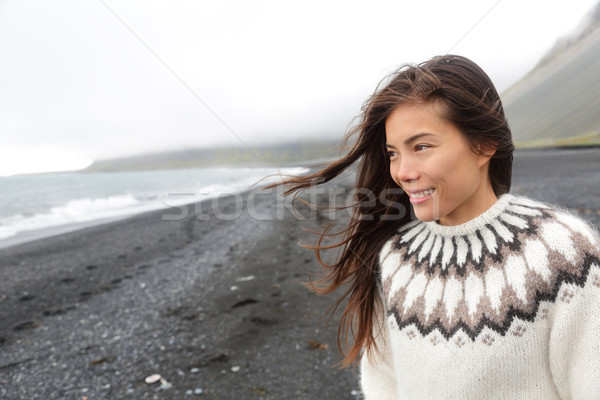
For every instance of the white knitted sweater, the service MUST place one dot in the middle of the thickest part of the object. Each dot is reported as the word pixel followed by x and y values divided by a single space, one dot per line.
pixel 505 306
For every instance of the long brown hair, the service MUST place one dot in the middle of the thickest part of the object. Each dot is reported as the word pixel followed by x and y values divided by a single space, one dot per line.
pixel 473 105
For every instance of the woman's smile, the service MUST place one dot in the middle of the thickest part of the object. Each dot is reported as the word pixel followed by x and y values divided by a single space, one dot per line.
pixel 421 196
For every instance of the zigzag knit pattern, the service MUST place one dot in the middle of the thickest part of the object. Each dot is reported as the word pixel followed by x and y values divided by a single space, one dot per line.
pixel 486 272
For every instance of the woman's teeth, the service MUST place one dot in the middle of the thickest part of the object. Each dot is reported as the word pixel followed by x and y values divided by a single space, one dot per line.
pixel 422 194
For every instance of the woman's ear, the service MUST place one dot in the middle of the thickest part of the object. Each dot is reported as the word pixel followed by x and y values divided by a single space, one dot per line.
pixel 486 151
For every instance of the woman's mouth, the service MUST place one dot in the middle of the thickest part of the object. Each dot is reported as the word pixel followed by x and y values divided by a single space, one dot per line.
pixel 420 197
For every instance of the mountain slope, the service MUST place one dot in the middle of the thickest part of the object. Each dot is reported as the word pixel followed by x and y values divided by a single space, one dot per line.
pixel 558 103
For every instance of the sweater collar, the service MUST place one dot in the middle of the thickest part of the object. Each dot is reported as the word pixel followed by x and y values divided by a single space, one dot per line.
pixel 469 227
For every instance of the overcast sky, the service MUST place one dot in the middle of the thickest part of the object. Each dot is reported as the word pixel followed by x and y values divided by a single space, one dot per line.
pixel 84 80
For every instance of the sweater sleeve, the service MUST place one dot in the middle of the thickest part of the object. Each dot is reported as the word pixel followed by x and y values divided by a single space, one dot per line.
pixel 377 377
pixel 575 339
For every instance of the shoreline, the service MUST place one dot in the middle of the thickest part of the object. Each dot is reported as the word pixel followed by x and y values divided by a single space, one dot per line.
pixel 50 231
pixel 53 231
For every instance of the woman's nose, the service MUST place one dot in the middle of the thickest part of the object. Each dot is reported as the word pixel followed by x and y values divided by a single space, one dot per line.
pixel 405 171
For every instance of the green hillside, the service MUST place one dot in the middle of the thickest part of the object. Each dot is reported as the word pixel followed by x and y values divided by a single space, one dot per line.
pixel 558 103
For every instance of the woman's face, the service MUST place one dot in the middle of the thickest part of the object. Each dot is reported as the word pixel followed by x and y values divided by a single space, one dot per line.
pixel 431 161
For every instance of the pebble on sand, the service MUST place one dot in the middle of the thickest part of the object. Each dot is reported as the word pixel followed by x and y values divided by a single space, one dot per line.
pixel 153 378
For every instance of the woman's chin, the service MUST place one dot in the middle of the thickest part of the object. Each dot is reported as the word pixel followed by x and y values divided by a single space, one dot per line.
pixel 424 216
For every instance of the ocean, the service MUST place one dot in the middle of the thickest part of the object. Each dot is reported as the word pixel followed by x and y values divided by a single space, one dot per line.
pixel 30 204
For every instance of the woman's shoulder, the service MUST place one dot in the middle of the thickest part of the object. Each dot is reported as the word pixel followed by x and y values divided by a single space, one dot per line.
pixel 554 240
pixel 557 217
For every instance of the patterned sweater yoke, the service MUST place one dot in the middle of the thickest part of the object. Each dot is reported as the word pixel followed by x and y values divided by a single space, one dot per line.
pixel 504 306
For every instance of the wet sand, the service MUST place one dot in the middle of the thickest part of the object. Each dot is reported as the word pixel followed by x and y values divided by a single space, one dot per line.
pixel 215 306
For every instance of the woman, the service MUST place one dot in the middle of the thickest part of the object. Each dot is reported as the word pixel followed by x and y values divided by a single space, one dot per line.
pixel 457 288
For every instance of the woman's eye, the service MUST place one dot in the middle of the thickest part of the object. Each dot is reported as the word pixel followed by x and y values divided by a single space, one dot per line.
pixel 421 147
pixel 392 154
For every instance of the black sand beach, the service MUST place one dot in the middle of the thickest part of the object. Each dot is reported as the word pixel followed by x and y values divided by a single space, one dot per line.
pixel 216 306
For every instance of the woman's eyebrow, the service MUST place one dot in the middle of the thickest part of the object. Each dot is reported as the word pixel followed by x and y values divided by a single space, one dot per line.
pixel 417 136
pixel 411 139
